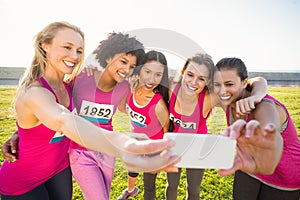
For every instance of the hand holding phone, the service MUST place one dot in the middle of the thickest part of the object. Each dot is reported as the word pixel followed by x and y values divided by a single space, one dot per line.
pixel 203 150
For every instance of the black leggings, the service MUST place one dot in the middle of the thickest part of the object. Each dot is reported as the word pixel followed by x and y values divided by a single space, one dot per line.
pixel 58 187
pixel 246 187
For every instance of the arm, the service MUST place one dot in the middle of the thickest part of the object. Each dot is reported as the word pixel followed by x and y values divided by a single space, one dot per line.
pixel 131 151
pixel 259 143
pixel 259 90
pixel 162 114
pixel 122 105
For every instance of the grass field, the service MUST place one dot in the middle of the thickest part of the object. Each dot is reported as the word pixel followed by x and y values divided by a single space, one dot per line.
pixel 212 187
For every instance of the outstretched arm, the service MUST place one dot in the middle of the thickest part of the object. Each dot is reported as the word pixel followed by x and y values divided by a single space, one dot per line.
pixel 131 151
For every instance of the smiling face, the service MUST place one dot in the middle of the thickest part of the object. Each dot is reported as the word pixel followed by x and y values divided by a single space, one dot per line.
pixel 228 86
pixel 151 75
pixel 65 50
pixel 195 78
pixel 121 66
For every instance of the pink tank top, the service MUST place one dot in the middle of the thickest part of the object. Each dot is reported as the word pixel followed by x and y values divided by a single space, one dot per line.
pixel 194 123
pixel 95 105
pixel 287 172
pixel 143 118
pixel 38 160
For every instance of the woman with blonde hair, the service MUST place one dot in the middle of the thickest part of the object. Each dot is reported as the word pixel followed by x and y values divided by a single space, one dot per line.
pixel 43 106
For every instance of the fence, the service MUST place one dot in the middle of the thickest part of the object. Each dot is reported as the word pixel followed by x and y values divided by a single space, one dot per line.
pixel 11 76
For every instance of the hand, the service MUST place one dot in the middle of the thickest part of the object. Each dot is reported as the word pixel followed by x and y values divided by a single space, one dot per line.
pixel 245 106
pixel 136 155
pixel 89 70
pixel 259 148
pixel 9 148
pixel 134 81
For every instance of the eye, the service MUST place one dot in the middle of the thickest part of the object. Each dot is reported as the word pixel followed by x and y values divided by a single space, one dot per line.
pixel 68 47
pixel 229 84
pixel 159 75
pixel 190 74
pixel 217 84
pixel 132 66
pixel 79 51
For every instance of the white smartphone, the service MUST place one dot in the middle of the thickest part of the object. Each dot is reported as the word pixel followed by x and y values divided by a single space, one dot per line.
pixel 203 150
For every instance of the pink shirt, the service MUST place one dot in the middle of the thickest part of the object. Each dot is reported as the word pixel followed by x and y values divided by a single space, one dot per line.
pixel 38 160
pixel 143 118
pixel 287 172
pixel 194 123
pixel 95 105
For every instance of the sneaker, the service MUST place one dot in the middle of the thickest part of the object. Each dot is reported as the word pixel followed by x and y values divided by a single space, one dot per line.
pixel 125 195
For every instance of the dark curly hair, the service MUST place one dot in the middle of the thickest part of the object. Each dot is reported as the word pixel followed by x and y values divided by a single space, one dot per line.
pixel 117 43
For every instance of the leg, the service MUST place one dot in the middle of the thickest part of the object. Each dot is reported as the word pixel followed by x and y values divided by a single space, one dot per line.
pixel 194 178
pixel 92 174
pixel 173 179
pixel 60 187
pixel 270 193
pixel 37 193
pixel 132 190
pixel 245 187
pixel 132 178
pixel 149 186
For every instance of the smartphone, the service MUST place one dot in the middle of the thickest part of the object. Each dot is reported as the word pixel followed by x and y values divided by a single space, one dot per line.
pixel 203 150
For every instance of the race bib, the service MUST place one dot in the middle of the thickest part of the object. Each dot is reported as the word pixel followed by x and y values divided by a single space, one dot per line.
pixel 182 124
pixel 136 118
pixel 95 112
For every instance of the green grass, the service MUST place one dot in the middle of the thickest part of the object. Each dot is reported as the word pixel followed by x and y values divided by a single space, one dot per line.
pixel 212 187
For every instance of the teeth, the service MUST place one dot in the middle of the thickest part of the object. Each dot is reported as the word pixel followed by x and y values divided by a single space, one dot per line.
pixel 192 88
pixel 70 64
pixel 149 85
pixel 121 74
pixel 225 97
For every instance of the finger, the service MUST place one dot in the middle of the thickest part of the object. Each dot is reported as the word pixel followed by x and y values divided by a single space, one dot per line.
pixel 11 158
pixel 149 146
pixel 253 127
pixel 270 128
pixel 236 166
pixel 251 106
pixel 239 108
pixel 171 169
pixel 8 156
pixel 13 146
pixel 247 107
pixel 140 163
pixel 6 151
pixel 236 128
pixel 226 132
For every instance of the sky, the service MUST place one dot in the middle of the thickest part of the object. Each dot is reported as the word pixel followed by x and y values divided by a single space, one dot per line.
pixel 265 34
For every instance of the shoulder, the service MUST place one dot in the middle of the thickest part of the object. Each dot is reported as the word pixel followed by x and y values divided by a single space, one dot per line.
pixel 36 93
pixel 123 88
pixel 124 84
pixel 33 96
pixel 263 106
